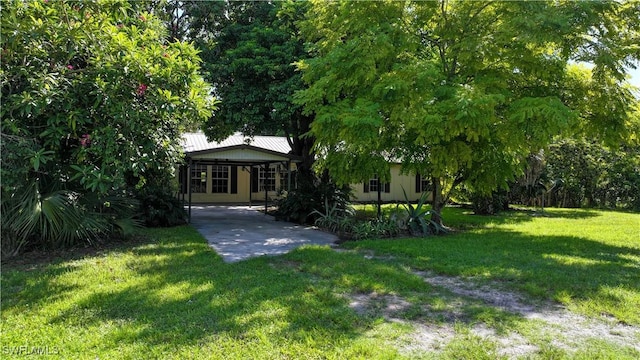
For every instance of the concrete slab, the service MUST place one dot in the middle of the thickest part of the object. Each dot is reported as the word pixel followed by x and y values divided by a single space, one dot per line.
pixel 240 232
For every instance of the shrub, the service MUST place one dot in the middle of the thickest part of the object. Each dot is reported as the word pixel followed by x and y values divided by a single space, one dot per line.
pixel 301 205
pixel 41 214
pixel 159 207
pixel 578 172
pixel 333 218
pixel 490 204
pixel 416 217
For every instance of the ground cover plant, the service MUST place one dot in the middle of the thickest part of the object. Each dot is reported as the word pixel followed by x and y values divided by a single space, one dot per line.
pixel 171 296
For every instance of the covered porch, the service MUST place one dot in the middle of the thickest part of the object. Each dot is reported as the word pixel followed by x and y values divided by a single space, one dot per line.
pixel 236 172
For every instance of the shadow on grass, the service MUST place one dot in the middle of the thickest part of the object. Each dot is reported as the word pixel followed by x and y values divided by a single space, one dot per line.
pixel 464 219
pixel 545 267
pixel 182 294
pixel 559 213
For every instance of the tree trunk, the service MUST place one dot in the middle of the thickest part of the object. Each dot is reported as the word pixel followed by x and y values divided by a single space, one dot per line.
pixel 438 202
pixel 301 145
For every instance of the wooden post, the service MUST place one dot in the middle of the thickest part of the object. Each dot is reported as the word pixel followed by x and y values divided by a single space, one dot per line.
pixel 266 191
pixel 288 177
pixel 189 187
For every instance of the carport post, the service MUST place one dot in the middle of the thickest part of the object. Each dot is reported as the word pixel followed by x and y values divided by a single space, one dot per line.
pixel 266 190
pixel 288 177
pixel 189 187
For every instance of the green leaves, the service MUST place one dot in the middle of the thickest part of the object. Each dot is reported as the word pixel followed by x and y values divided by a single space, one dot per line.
pixel 39 157
pixel 52 216
pixel 91 83
pixel 94 101
pixel 456 89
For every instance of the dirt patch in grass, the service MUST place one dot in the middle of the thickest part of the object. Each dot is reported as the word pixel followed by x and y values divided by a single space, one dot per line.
pixel 435 328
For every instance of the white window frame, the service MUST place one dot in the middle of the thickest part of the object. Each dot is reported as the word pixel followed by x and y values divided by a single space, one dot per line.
pixel 199 176
pixel 218 181
pixel 271 186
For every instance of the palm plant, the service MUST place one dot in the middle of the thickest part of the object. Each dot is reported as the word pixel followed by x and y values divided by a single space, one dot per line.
pixel 43 214
pixel 49 217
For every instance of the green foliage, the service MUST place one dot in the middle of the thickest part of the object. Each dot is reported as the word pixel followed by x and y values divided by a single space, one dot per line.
pixel 345 224
pixel 416 216
pixel 594 175
pixel 301 204
pixel 160 208
pixel 93 97
pixel 384 227
pixel 42 214
pixel 97 87
pixel 450 91
pixel 580 172
pixel 249 50
pixel 49 218
pixel 491 204
pixel 333 218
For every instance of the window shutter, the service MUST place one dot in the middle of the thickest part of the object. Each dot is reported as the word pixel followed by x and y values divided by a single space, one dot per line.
pixel 234 180
pixel 366 187
pixel 254 179
pixel 418 183
pixel 387 187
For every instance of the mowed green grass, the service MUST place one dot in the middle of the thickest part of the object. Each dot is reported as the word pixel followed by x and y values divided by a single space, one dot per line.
pixel 586 259
pixel 173 297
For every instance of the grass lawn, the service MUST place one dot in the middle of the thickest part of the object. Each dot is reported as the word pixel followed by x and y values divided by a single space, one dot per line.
pixel 172 297
pixel 586 259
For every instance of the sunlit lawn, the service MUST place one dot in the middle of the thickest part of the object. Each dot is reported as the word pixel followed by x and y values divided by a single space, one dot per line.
pixel 587 259
pixel 173 297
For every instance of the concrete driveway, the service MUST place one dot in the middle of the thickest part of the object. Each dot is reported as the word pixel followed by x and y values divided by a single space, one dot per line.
pixel 240 232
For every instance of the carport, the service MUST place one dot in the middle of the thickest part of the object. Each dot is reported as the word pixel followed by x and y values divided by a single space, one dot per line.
pixel 237 170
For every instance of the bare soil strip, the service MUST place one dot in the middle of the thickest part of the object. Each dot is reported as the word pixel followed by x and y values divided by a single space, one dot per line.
pixel 567 330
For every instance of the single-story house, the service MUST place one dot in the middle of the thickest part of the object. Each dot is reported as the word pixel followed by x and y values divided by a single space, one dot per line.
pixel 246 170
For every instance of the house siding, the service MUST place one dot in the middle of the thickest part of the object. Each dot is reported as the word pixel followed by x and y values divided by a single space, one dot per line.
pixel 238 151
pixel 397 183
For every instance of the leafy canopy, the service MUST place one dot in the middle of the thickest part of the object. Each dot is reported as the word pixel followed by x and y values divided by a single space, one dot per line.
pixel 462 90
pixel 249 50
pixel 94 99
pixel 97 91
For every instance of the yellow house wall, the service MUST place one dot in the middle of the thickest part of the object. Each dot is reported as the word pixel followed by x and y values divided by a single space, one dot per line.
pixel 398 182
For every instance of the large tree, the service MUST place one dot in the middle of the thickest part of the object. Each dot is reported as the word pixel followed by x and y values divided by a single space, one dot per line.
pixel 462 91
pixel 94 99
pixel 249 50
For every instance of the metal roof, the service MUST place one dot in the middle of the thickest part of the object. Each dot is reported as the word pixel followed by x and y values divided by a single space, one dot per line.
pixel 194 142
